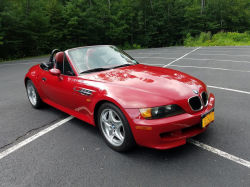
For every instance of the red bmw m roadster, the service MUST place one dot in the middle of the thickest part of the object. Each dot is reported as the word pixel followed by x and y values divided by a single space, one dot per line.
pixel 130 103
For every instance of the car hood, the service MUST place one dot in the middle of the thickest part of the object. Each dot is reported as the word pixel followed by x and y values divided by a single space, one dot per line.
pixel 160 81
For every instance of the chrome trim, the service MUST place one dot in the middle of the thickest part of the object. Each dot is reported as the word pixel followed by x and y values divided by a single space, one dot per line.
pixel 200 101
pixel 84 91
pixel 196 92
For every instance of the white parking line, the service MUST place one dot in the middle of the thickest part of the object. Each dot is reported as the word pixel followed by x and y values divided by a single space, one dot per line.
pixel 216 60
pixel 194 142
pixel 209 68
pixel 35 136
pixel 156 57
pixel 164 52
pixel 159 53
pixel 150 53
pixel 153 64
pixel 18 64
pixel 181 57
pixel 220 153
pixel 194 59
pixel 218 54
pixel 229 89
pixel 219 47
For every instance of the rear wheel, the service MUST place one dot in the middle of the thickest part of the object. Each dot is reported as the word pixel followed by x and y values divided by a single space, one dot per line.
pixel 34 98
pixel 115 128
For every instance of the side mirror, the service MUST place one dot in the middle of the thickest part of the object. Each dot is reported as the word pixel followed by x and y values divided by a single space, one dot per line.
pixel 55 72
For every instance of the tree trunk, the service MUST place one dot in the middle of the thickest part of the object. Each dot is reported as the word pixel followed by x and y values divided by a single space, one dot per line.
pixel 109 5
pixel 221 16
pixel 202 6
pixel 145 18
pixel 27 6
pixel 152 6
pixel 132 30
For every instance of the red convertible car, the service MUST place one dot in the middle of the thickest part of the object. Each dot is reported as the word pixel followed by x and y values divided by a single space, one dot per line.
pixel 131 103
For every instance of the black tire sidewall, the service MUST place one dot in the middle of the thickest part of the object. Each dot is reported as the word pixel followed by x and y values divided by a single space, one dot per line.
pixel 129 141
pixel 39 102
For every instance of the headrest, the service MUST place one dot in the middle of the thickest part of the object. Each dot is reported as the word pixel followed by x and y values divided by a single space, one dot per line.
pixel 91 52
pixel 59 57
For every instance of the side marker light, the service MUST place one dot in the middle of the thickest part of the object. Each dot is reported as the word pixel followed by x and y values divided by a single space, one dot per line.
pixel 143 128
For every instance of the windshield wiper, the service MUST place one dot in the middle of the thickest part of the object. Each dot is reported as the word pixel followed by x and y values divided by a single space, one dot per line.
pixel 95 70
pixel 123 65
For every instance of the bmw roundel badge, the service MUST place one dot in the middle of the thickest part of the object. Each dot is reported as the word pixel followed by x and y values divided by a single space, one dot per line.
pixel 195 91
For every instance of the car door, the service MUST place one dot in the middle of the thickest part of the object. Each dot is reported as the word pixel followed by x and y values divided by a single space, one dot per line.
pixel 60 90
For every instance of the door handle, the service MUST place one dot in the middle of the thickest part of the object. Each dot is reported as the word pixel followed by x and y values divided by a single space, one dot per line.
pixel 44 79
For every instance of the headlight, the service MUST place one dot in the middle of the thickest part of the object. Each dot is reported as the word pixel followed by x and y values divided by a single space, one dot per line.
pixel 161 112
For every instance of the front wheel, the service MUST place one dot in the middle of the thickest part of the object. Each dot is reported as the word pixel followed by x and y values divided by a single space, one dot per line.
pixel 34 98
pixel 115 128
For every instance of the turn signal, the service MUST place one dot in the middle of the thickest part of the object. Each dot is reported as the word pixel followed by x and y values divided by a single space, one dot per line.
pixel 146 112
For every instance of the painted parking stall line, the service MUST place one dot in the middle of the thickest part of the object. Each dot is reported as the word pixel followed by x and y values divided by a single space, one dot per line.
pixel 202 145
pixel 209 68
pixel 219 54
pixel 194 142
pixel 220 153
pixel 182 57
pixel 199 54
pixel 220 60
pixel 156 58
pixel 198 59
pixel 13 64
pixel 150 53
pixel 153 64
pixel 229 89
pixel 32 138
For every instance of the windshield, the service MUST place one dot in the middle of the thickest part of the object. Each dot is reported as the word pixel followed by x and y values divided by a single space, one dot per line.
pixel 106 57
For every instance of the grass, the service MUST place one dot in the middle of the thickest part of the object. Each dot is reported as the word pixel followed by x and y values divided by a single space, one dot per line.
pixel 219 39
pixel 46 55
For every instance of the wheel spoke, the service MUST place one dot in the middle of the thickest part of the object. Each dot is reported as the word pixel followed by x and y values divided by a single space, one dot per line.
pixel 109 132
pixel 119 135
pixel 104 117
pixel 118 125
pixel 107 125
pixel 31 94
pixel 111 138
pixel 112 127
pixel 112 118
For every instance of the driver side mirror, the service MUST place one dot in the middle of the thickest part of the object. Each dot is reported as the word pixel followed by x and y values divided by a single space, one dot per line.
pixel 55 72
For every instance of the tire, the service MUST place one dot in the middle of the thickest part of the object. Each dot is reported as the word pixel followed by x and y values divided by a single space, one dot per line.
pixel 33 96
pixel 115 128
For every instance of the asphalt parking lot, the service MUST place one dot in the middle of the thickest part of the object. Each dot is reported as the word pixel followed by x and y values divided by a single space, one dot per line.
pixel 74 153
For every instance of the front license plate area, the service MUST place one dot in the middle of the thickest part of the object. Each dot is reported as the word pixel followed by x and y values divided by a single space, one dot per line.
pixel 207 118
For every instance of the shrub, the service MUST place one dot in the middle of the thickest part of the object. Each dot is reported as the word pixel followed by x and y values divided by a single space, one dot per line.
pixel 220 39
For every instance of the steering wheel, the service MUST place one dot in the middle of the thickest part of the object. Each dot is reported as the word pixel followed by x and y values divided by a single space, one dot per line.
pixel 47 65
pixel 110 60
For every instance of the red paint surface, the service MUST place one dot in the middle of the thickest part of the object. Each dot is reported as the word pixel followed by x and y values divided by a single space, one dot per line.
pixel 130 88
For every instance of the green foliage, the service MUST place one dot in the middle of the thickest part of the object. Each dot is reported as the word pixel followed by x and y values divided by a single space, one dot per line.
pixel 219 39
pixel 35 27
pixel 127 46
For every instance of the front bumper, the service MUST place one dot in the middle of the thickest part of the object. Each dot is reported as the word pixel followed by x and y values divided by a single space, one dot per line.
pixel 167 132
